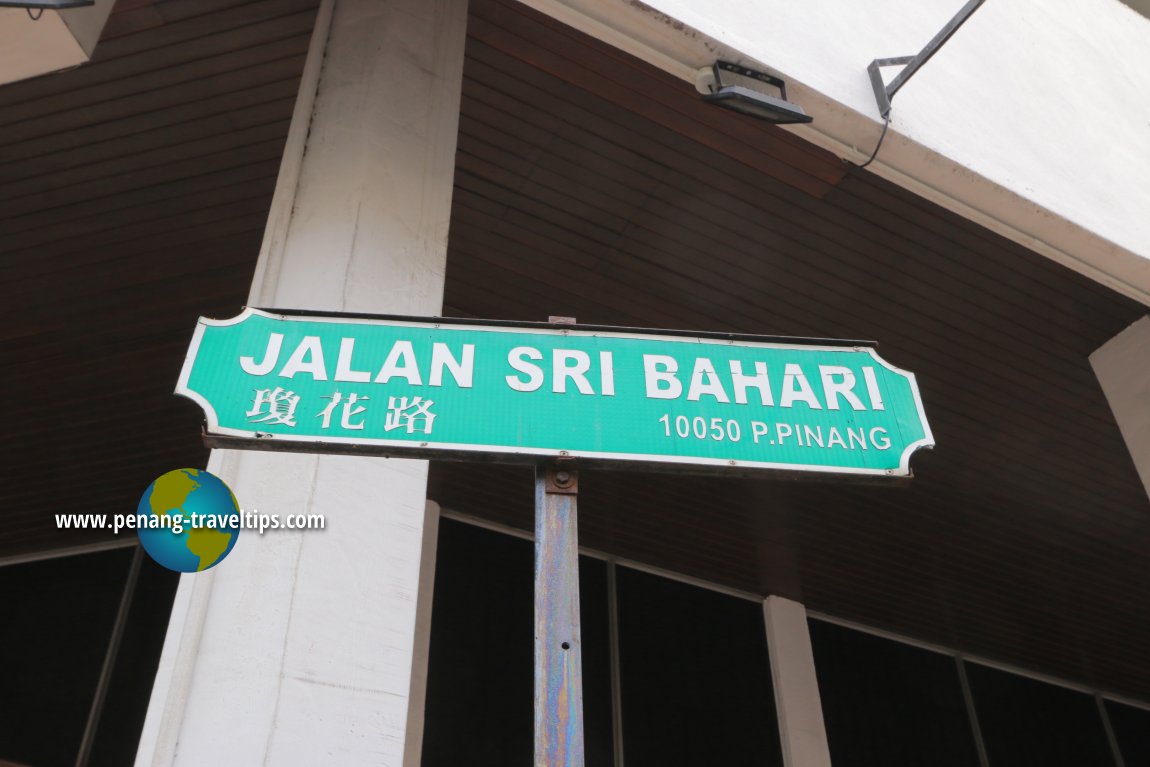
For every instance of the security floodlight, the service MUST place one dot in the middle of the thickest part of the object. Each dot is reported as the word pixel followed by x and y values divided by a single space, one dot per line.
pixel 752 102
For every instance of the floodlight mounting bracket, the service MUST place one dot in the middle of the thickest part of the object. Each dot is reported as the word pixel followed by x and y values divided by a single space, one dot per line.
pixel 754 74
pixel 883 93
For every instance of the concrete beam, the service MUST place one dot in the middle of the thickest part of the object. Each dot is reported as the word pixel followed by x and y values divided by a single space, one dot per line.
pixel 801 728
pixel 309 647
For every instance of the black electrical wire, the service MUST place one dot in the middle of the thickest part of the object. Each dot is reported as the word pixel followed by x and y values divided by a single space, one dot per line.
pixel 874 154
pixel 37 16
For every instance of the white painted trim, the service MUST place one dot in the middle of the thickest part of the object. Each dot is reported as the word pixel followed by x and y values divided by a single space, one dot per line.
pixel 802 731
pixel 160 736
pixel 577 19
pixel 173 680
pixel 270 260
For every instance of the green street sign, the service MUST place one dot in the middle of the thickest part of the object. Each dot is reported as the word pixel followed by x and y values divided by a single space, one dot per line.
pixel 519 392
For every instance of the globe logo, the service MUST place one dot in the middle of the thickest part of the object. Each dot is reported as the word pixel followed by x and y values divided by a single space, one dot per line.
pixel 188 520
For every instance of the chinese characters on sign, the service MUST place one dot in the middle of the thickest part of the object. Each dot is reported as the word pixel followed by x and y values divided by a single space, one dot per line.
pixel 274 406
pixel 414 416
pixel 278 406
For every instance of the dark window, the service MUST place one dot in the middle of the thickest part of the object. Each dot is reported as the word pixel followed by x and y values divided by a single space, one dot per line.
pixel 888 704
pixel 694 668
pixel 480 690
pixel 696 684
pixel 1026 722
pixel 598 738
pixel 59 616
pixel 1132 731
pixel 130 688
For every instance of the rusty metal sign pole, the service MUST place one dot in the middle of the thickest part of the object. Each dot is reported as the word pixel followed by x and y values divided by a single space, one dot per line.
pixel 558 653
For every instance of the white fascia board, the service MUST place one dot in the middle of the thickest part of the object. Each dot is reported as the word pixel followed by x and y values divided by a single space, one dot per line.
pixel 1032 121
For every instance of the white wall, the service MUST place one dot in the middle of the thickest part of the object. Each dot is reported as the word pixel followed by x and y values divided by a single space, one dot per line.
pixel 1033 120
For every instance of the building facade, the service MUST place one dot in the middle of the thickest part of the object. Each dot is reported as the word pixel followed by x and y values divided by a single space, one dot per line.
pixel 517 161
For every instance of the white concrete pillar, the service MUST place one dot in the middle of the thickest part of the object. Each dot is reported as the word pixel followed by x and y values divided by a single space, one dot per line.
pixel 802 731
pixel 1122 365
pixel 305 648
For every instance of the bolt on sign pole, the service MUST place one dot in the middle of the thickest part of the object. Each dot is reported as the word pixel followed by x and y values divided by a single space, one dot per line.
pixel 558 653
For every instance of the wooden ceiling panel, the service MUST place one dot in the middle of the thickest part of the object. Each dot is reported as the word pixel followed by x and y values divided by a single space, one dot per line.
pixel 133 196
